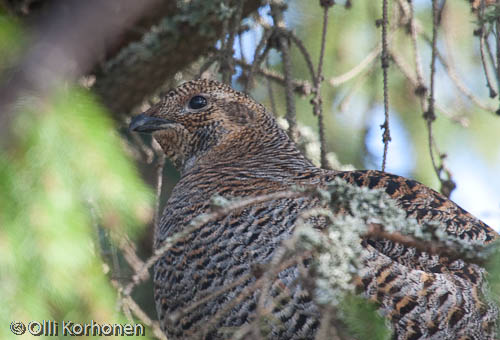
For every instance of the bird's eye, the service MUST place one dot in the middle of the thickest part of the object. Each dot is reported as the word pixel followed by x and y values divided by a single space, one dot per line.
pixel 197 102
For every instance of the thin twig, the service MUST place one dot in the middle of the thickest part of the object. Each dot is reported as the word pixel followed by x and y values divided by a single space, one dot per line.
pixel 497 36
pixel 491 57
pixel 377 232
pixel 212 296
pixel 257 59
pixel 269 274
pixel 406 70
pixel 271 92
pixel 459 84
pixel 367 61
pixel 240 43
pixel 290 99
pixel 130 255
pixel 206 65
pixel 353 90
pixel 481 33
pixel 226 50
pixel 277 9
pixel 421 89
pixel 430 115
pixel 386 137
pixel 300 87
pixel 159 183
pixel 146 149
pixel 129 304
pixel 230 28
pixel 303 50
pixel 317 100
pixel 447 185
pixel 267 279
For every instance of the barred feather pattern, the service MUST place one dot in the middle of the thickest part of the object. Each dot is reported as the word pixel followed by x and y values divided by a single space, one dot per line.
pixel 233 148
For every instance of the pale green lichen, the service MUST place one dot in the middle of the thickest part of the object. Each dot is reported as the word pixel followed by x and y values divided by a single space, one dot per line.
pixel 202 14
pixel 339 257
pixel 218 201
pixel 376 206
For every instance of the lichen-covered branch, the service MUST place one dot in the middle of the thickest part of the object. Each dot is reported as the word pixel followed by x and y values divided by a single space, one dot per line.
pixel 179 39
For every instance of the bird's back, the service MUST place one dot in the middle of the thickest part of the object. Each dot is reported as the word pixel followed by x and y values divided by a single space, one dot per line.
pixel 207 281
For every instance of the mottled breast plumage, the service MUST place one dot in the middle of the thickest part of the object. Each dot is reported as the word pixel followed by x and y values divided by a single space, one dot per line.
pixel 226 146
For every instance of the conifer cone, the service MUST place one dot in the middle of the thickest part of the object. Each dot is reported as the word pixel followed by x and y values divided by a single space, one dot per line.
pixel 226 144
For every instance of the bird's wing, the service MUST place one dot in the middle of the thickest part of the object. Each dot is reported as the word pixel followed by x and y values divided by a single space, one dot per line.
pixel 424 204
pixel 427 296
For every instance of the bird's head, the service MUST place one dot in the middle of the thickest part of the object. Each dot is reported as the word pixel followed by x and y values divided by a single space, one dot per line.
pixel 200 118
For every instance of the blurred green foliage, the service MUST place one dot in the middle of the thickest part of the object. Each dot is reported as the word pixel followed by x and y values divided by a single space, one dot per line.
pixel 11 40
pixel 363 320
pixel 62 176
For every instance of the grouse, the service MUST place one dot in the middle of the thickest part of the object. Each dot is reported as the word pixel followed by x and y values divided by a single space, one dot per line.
pixel 227 145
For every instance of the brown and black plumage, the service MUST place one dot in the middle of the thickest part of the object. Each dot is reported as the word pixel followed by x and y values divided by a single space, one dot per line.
pixel 226 144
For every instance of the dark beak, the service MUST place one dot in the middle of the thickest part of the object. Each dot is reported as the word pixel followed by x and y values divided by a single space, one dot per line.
pixel 148 124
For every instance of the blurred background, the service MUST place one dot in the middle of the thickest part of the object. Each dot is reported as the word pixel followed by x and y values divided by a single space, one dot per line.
pixel 79 194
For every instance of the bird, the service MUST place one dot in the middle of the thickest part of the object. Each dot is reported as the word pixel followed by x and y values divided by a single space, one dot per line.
pixel 227 145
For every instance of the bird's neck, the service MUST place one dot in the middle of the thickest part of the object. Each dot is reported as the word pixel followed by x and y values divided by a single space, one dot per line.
pixel 258 153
